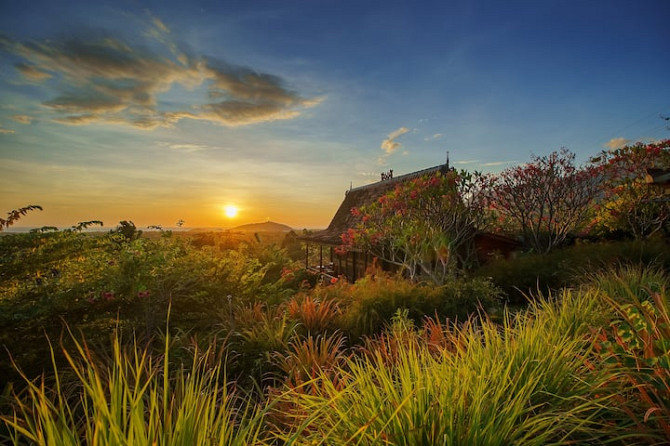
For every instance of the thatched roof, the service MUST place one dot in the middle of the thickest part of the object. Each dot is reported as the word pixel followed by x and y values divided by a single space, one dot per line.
pixel 659 177
pixel 358 197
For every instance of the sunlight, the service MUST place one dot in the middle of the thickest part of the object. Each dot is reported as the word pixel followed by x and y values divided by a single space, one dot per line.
pixel 230 211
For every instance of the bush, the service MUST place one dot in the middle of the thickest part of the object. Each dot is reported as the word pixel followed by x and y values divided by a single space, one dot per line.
pixel 91 281
pixel 371 302
pixel 530 273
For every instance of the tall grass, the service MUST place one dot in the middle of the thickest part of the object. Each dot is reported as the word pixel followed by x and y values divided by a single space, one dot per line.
pixel 526 382
pixel 135 399
pixel 636 348
pixel 629 282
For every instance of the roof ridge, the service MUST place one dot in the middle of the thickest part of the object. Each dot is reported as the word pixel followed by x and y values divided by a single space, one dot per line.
pixel 403 177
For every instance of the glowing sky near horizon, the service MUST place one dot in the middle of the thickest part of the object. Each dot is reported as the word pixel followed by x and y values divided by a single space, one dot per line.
pixel 158 111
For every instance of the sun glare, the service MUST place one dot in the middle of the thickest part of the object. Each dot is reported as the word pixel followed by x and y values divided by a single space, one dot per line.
pixel 230 211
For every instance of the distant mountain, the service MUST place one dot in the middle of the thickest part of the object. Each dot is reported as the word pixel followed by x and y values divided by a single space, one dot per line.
pixel 268 226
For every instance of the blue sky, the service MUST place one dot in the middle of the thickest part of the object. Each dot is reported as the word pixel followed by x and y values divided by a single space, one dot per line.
pixel 159 111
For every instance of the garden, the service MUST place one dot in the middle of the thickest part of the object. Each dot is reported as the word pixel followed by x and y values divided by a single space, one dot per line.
pixel 116 338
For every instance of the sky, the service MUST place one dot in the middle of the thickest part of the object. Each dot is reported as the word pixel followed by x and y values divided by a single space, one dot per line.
pixel 159 111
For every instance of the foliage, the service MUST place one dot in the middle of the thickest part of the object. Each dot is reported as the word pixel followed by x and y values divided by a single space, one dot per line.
pixel 528 273
pixel 126 231
pixel 14 215
pixel 626 282
pixel 637 349
pixel 134 399
pixel 547 199
pixel 425 226
pixel 630 205
pixel 90 280
pixel 372 301
pixel 522 383
pixel 314 315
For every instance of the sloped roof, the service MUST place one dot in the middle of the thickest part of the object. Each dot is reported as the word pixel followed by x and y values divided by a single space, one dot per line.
pixel 358 197
pixel 660 177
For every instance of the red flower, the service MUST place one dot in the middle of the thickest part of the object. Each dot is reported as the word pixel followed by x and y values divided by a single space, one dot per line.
pixel 108 295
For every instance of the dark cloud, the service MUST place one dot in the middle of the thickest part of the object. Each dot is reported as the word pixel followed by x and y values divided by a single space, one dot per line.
pixel 106 80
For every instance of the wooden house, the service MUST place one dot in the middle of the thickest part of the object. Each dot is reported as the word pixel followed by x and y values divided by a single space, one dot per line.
pixel 354 263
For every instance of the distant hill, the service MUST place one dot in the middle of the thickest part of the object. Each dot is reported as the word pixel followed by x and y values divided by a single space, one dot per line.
pixel 268 226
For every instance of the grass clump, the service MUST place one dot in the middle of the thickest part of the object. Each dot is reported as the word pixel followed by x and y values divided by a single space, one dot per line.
pixel 525 382
pixel 636 350
pixel 133 399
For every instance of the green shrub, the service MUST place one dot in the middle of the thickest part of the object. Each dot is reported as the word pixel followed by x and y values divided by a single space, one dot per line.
pixel 529 273
pixel 371 302
pixel 90 281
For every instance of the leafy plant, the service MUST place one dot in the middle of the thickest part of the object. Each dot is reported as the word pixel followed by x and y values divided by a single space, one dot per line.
pixel 314 315
pixel 637 349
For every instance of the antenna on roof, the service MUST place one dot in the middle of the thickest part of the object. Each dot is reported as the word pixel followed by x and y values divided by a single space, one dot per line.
pixel 447 160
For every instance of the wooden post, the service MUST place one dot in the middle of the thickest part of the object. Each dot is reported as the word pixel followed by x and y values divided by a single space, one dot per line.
pixel 365 262
pixel 306 255
pixel 339 264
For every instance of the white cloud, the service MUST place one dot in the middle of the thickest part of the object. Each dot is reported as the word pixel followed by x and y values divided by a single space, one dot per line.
pixel 189 148
pixel 434 137
pixel 497 163
pixel 390 145
pixel 6 131
pixel 616 143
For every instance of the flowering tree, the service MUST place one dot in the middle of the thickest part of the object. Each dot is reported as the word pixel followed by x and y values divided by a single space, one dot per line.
pixel 426 226
pixel 546 199
pixel 630 204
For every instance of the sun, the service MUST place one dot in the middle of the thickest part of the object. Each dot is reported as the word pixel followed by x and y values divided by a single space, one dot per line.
pixel 230 211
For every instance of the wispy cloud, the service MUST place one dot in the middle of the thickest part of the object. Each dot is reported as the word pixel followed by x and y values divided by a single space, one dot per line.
pixel 616 143
pixel 189 148
pixel 107 80
pixel 467 162
pixel 390 145
pixel 498 163
pixel 22 119
pixel 32 73
pixel 6 131
pixel 434 137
